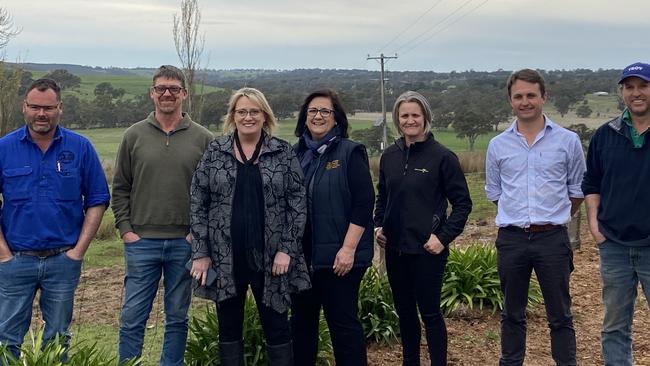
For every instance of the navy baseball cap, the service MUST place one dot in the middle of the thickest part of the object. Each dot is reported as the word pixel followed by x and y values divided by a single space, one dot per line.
pixel 638 69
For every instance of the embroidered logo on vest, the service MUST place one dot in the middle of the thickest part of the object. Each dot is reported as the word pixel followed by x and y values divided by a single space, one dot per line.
pixel 422 170
pixel 333 164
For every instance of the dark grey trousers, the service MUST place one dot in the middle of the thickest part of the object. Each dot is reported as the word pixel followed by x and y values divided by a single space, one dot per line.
pixel 549 254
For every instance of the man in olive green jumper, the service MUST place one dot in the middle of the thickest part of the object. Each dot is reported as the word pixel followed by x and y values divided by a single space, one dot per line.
pixel 151 188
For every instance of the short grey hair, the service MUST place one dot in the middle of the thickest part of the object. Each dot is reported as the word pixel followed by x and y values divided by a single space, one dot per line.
pixel 412 97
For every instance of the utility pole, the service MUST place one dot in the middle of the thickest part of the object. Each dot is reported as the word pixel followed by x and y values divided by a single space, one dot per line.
pixel 381 58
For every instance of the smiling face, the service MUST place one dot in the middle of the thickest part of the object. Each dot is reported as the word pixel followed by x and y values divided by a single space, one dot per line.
pixel 411 122
pixel 636 96
pixel 527 101
pixel 317 124
pixel 167 102
pixel 249 118
pixel 42 111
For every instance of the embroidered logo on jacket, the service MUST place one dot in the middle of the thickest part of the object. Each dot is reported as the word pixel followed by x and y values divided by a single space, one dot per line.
pixel 333 164
pixel 422 170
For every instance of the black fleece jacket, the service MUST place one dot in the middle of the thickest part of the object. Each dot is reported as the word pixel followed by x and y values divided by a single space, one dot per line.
pixel 415 184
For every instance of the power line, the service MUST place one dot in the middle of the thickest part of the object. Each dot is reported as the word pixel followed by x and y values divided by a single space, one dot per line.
pixel 410 26
pixel 446 27
pixel 416 38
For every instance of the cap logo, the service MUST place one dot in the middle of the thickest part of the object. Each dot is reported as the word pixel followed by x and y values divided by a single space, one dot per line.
pixel 635 68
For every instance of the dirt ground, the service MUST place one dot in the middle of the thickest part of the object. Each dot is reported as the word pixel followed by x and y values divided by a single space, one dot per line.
pixel 473 335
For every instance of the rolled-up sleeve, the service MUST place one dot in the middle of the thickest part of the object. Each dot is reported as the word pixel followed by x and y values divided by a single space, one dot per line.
pixel 94 186
pixel 576 168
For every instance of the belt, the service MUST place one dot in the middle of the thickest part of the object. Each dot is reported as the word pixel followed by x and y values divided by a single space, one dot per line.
pixel 534 228
pixel 45 252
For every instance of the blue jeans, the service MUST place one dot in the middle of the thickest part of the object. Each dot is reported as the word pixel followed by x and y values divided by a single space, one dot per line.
pixel 621 269
pixel 56 277
pixel 146 261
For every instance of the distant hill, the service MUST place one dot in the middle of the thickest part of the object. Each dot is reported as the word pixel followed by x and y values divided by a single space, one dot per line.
pixel 87 70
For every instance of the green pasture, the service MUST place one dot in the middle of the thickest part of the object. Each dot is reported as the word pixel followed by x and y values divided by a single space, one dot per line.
pixel 107 140
pixel 132 85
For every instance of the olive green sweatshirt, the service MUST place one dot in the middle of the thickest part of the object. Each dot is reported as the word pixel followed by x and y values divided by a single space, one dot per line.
pixel 153 172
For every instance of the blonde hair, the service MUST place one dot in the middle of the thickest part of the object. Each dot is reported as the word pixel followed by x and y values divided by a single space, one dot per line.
pixel 257 97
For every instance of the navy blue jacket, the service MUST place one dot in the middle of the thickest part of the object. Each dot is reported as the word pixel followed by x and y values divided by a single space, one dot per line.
pixel 620 174
pixel 331 201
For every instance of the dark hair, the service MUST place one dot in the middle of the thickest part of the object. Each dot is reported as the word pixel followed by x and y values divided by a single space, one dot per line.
pixel 169 72
pixel 340 117
pixel 529 75
pixel 44 84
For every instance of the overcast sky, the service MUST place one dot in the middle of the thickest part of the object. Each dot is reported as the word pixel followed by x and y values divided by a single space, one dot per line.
pixel 437 35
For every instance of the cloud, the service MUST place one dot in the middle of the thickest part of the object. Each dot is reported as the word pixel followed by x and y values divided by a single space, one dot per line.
pixel 338 33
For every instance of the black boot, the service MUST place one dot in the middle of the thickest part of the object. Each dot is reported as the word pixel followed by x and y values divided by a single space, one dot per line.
pixel 231 353
pixel 280 355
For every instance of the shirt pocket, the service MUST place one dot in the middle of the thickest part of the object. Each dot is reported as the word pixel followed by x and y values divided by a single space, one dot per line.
pixel 69 185
pixel 551 166
pixel 16 183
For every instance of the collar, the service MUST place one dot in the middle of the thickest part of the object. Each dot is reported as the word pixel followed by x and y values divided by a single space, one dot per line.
pixel 401 142
pixel 625 117
pixel 269 144
pixel 23 134
pixel 547 124
pixel 182 125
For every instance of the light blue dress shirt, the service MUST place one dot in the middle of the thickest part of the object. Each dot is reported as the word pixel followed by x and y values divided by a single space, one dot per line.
pixel 533 184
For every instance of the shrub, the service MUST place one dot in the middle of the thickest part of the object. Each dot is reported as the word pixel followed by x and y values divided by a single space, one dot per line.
pixel 376 308
pixel 471 278
pixel 52 354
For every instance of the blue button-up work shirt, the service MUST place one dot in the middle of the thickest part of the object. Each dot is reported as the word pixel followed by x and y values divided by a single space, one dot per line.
pixel 45 194
pixel 533 184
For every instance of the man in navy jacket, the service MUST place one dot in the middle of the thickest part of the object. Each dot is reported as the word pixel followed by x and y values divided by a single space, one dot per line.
pixel 616 193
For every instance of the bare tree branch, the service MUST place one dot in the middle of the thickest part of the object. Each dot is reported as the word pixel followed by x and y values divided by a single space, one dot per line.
pixel 189 45
pixel 7 29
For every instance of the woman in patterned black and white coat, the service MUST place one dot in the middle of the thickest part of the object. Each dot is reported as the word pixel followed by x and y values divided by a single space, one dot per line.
pixel 247 216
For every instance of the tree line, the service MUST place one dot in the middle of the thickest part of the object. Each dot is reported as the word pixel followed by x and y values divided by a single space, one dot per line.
pixel 473 103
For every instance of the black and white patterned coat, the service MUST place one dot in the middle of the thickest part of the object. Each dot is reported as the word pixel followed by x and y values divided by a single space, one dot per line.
pixel 212 193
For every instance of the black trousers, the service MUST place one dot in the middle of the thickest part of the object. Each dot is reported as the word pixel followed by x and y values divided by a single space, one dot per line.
pixel 339 298
pixel 549 254
pixel 416 281
pixel 230 314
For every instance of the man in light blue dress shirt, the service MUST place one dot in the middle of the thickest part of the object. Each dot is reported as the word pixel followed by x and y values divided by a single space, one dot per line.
pixel 533 174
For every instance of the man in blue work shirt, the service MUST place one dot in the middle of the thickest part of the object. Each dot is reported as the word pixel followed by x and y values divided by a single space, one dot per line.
pixel 55 193
pixel 533 173
pixel 616 194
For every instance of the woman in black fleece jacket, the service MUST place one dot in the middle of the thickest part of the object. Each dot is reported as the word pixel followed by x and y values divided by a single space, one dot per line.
pixel 417 177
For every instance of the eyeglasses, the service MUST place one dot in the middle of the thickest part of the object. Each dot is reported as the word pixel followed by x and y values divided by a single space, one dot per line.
pixel 161 89
pixel 242 113
pixel 46 108
pixel 324 112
